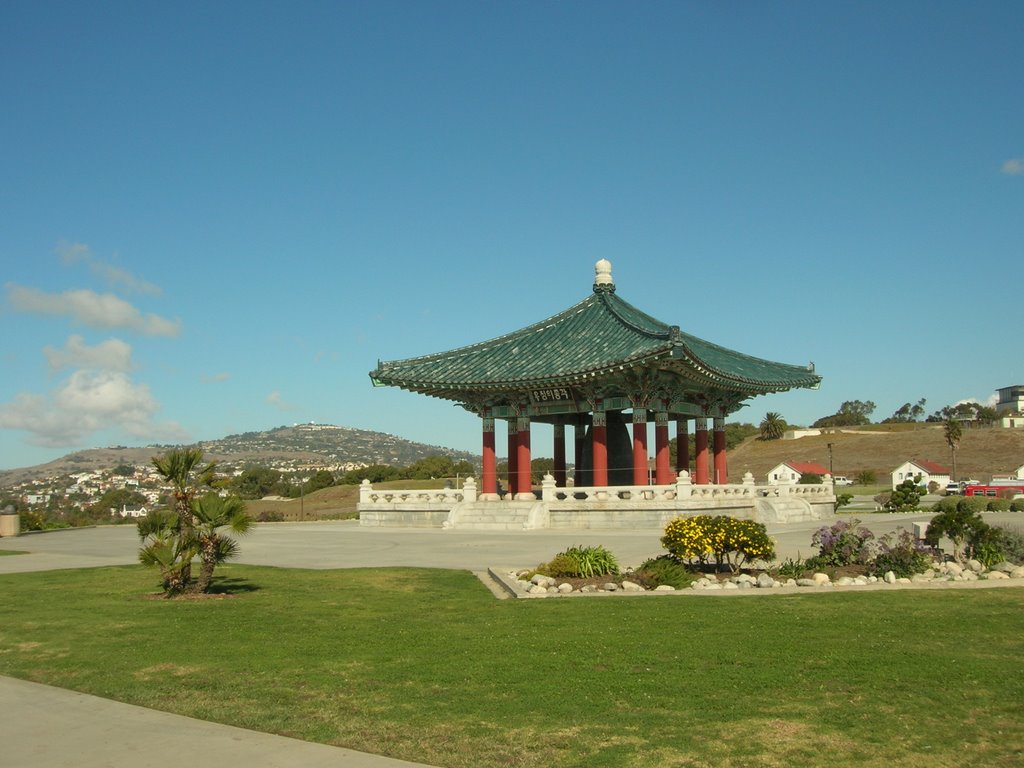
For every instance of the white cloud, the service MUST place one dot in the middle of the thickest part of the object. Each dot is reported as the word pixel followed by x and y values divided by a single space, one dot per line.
pixel 275 399
pixel 110 355
pixel 1014 167
pixel 71 253
pixel 95 310
pixel 87 402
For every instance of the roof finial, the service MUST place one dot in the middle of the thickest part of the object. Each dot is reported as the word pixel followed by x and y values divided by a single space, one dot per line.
pixel 603 276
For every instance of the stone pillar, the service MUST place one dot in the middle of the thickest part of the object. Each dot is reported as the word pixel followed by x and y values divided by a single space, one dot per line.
pixel 599 432
pixel 682 445
pixel 721 473
pixel 524 488
pixel 558 471
pixel 701 459
pixel 513 458
pixel 640 474
pixel 489 479
pixel 662 467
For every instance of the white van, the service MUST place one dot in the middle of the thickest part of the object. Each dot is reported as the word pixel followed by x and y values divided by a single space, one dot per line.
pixel 840 480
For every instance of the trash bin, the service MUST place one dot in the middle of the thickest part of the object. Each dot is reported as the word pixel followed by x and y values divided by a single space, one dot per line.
pixel 10 522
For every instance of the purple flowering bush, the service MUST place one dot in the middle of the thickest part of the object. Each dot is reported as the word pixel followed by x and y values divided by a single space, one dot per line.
pixel 843 543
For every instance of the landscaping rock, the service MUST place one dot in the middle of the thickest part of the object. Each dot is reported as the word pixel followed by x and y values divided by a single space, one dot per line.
pixel 537 589
pixel 764 581
pixel 890 577
pixel 664 588
pixel 1005 566
pixel 821 578
pixel 610 587
pixel 1018 572
pixel 730 585
pixel 806 583
pixel 565 588
pixel 975 566
pixel 631 586
pixel 994 575
pixel 954 568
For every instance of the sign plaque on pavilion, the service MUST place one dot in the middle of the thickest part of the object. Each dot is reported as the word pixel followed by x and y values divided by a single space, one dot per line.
pixel 599 366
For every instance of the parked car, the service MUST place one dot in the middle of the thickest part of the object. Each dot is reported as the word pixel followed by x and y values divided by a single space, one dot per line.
pixel 840 480
pixel 953 489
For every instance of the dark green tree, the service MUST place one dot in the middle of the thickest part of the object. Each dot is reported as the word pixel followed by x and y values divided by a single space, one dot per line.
pixel 958 525
pixel 953 433
pixel 213 513
pixel 906 497
pixel 852 413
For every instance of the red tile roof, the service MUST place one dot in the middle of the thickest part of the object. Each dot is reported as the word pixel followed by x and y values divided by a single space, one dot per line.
pixel 930 467
pixel 807 468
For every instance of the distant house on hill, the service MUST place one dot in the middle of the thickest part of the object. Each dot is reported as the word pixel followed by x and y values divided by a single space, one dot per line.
pixel 1010 406
pixel 792 471
pixel 929 471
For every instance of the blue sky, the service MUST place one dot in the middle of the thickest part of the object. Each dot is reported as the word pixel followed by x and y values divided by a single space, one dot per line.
pixel 215 217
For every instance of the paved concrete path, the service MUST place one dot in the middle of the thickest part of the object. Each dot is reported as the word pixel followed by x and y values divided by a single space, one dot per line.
pixel 46 727
pixel 344 544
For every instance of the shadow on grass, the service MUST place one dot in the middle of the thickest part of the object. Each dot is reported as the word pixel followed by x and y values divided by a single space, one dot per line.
pixel 225 585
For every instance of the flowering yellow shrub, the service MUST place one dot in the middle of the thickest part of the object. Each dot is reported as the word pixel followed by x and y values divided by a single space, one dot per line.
pixel 728 540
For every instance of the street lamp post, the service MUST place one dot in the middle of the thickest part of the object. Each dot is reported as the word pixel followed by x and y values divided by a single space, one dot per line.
pixel 830 472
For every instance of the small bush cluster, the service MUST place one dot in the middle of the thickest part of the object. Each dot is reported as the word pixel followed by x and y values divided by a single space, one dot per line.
pixel 665 569
pixel 902 554
pixel 581 563
pixel 726 540
pixel 847 543
pixel 843 543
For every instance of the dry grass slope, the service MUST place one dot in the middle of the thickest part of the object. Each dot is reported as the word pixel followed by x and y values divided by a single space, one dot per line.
pixel 982 451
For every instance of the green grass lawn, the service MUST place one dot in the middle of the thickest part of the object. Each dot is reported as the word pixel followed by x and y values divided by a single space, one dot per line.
pixel 427 666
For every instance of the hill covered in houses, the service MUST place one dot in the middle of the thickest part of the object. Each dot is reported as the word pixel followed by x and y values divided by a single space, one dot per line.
pixel 301 447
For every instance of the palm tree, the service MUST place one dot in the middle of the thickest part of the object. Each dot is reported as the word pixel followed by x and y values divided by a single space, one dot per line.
pixel 165 549
pixel 953 432
pixel 211 513
pixel 183 468
pixel 773 426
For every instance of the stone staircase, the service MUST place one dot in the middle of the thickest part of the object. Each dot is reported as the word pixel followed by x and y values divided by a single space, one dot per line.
pixel 491 515
pixel 784 509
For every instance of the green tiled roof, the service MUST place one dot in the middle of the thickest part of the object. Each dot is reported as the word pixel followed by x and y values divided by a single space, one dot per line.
pixel 599 336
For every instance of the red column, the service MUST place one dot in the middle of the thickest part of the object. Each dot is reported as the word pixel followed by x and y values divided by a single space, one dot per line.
pixel 721 473
pixel 525 485
pixel 513 457
pixel 559 449
pixel 640 475
pixel 701 436
pixel 682 445
pixel 662 469
pixel 489 481
pixel 599 434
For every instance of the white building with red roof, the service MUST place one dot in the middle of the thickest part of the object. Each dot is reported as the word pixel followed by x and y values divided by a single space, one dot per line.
pixel 929 472
pixel 790 472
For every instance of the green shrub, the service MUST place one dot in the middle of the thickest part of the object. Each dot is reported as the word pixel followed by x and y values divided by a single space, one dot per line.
pixel 986 546
pixel 945 504
pixel 1017 505
pixel 972 503
pixel 866 477
pixel 791 569
pixel 582 563
pixel 998 505
pixel 664 569
pixel 959 525
pixel 1012 543
pixel 730 541
pixel 905 497
pixel 270 516
pixel 900 553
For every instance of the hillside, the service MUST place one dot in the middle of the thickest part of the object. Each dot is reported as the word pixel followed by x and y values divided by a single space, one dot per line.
pixel 982 451
pixel 298 446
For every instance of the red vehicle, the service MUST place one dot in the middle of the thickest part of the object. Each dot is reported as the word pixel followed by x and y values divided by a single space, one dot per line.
pixel 1002 491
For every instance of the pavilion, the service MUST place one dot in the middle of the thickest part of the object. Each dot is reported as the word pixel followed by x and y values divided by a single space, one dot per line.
pixel 586 367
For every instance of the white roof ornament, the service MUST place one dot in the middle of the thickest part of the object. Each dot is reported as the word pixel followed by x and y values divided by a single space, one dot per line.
pixel 603 275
